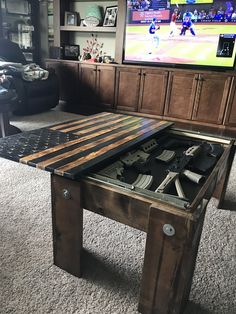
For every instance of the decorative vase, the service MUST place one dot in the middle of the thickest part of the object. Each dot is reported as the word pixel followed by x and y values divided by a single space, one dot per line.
pixel 93 16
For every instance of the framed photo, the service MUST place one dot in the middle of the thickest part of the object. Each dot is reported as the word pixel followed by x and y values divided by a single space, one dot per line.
pixel 71 52
pixel 17 7
pixel 82 22
pixel 71 18
pixel 110 16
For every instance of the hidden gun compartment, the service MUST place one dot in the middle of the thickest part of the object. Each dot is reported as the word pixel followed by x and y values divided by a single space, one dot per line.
pixel 173 167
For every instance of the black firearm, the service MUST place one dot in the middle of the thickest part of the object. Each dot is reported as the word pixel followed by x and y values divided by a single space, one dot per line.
pixel 179 168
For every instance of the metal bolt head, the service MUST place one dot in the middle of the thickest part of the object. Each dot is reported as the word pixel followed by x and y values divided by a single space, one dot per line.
pixel 66 194
pixel 168 230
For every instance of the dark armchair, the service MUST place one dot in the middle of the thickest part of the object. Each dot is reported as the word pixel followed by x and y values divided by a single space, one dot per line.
pixel 34 96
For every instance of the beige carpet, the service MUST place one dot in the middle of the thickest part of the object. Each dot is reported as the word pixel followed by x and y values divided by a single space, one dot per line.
pixel 30 283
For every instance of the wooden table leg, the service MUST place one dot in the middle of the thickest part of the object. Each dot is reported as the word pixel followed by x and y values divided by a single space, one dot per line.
pixel 170 255
pixel 221 187
pixel 67 223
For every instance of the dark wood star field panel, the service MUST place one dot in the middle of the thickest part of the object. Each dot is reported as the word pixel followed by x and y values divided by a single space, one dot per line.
pixel 17 146
pixel 72 148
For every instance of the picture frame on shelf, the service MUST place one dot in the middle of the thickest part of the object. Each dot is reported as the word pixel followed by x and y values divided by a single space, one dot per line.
pixel 71 52
pixel 17 7
pixel 71 18
pixel 82 22
pixel 110 16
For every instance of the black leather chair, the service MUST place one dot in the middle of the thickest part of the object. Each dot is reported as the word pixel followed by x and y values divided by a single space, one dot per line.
pixel 33 97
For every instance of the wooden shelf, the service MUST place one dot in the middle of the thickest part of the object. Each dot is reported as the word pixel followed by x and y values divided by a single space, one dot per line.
pixel 98 29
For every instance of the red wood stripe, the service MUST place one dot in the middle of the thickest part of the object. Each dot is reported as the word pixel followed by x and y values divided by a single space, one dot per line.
pixel 80 121
pixel 102 125
pixel 45 152
pixel 61 170
pixel 75 151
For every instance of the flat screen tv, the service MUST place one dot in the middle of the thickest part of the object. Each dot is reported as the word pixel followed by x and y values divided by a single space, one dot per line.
pixel 181 33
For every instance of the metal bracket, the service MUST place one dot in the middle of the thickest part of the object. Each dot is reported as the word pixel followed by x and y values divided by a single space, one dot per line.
pixel 66 194
pixel 169 230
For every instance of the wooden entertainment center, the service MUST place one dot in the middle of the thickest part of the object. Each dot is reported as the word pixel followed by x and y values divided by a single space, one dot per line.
pixel 197 97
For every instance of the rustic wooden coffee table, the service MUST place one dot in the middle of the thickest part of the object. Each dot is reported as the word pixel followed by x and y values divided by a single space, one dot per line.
pixel 73 150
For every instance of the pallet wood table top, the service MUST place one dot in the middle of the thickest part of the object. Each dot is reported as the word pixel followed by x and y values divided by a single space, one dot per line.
pixel 71 148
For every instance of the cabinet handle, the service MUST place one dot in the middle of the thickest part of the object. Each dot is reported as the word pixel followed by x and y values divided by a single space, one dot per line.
pixel 99 70
pixel 144 74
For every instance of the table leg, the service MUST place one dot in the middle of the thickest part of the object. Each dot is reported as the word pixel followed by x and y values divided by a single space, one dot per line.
pixel 67 223
pixel 221 187
pixel 3 124
pixel 170 255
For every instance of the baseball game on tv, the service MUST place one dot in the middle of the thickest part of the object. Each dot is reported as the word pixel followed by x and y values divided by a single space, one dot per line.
pixel 181 33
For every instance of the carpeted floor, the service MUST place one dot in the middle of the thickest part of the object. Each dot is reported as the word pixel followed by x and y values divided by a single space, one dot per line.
pixel 30 283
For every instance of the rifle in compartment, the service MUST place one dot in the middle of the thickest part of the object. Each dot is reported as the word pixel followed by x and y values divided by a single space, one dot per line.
pixel 114 171
pixel 177 168
pixel 133 157
pixel 196 154
pixel 167 198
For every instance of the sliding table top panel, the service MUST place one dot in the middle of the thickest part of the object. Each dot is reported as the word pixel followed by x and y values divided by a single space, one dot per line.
pixel 72 148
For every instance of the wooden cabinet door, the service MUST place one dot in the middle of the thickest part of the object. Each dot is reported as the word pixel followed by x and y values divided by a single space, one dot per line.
pixel 127 88
pixel 106 85
pixel 211 98
pixel 153 90
pixel 180 95
pixel 87 84
pixel 67 73
pixel 230 116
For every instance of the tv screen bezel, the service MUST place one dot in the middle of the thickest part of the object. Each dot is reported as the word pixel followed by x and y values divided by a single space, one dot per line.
pixel 171 65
